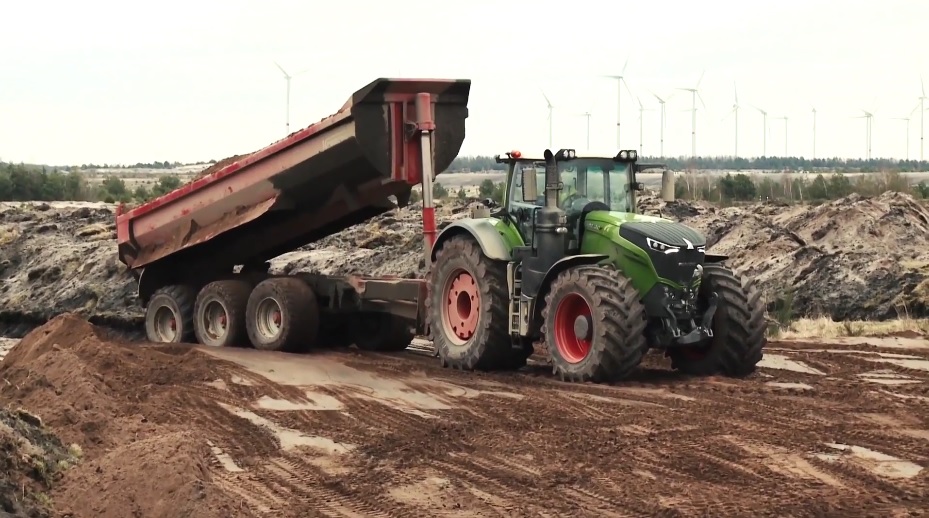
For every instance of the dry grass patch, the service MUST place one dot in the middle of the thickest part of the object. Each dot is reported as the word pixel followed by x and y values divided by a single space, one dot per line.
pixel 825 327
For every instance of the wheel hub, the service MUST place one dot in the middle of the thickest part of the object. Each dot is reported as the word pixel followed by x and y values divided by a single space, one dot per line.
pixel 165 324
pixel 462 306
pixel 582 325
pixel 215 320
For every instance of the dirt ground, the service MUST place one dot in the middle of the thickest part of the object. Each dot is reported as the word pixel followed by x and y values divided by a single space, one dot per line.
pixel 61 257
pixel 829 429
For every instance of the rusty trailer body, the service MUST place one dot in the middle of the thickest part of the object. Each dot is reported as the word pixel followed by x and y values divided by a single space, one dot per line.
pixel 343 170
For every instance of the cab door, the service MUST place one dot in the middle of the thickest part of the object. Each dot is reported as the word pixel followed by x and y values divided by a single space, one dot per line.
pixel 523 211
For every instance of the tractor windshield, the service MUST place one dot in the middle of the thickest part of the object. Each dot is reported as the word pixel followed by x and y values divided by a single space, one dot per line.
pixel 585 180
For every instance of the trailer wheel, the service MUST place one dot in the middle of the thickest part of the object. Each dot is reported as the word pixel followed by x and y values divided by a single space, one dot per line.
pixel 381 332
pixel 467 309
pixel 219 313
pixel 169 315
pixel 594 325
pixel 738 328
pixel 282 314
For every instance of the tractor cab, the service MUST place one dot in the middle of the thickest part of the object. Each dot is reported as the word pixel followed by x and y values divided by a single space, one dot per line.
pixel 588 183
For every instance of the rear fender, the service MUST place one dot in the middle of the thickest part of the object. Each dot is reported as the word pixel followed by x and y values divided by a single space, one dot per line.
pixel 714 258
pixel 491 241
pixel 553 272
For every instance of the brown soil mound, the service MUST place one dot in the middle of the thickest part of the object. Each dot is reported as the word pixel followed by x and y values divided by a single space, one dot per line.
pixel 131 410
pixel 219 165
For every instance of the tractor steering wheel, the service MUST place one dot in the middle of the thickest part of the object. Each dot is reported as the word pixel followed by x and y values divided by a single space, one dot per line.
pixel 572 200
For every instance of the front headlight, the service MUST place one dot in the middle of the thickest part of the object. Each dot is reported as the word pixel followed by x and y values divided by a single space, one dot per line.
pixel 664 248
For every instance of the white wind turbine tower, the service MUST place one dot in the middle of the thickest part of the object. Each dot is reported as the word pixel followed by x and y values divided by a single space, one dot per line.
pixel 735 113
pixel 550 110
pixel 764 138
pixel 868 116
pixel 620 82
pixel 814 133
pixel 664 119
pixel 587 115
pixel 784 118
pixel 288 77
pixel 922 116
pixel 694 94
pixel 907 119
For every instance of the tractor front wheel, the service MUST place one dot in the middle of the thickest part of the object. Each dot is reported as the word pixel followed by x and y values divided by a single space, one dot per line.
pixel 467 309
pixel 594 325
pixel 738 328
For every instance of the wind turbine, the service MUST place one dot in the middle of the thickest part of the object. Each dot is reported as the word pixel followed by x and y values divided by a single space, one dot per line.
pixel 663 119
pixel 735 112
pixel 784 118
pixel 907 119
pixel 620 82
pixel 694 94
pixel 814 133
pixel 587 115
pixel 764 141
pixel 922 116
pixel 288 77
pixel 868 116
pixel 550 109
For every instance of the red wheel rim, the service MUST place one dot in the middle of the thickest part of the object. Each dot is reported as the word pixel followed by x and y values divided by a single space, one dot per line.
pixel 570 346
pixel 462 306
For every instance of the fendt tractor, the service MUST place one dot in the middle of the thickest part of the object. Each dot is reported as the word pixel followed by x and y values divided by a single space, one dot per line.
pixel 578 269
pixel 573 267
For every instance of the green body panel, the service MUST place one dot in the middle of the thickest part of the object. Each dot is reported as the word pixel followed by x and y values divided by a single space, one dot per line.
pixel 496 237
pixel 601 236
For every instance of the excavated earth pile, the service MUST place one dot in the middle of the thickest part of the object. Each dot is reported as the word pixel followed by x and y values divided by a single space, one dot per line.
pixel 854 258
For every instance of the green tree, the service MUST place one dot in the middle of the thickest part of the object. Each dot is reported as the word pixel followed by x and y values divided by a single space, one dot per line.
pixel 462 195
pixel 486 188
pixel 439 191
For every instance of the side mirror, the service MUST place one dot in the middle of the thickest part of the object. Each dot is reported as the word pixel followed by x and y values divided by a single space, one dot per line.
pixel 530 185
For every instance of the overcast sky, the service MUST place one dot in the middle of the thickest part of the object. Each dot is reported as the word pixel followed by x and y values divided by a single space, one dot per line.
pixel 100 81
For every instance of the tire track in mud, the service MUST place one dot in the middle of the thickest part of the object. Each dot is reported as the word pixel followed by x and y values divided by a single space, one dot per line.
pixel 658 445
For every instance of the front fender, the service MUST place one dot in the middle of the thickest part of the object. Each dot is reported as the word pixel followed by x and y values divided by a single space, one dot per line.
pixel 494 241
pixel 560 266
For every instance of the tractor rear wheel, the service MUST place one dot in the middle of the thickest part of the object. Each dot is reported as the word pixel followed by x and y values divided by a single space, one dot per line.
pixel 219 313
pixel 282 315
pixel 169 315
pixel 594 325
pixel 467 309
pixel 738 328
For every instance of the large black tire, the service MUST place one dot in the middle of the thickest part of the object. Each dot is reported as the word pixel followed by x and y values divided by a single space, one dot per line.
pixel 738 328
pixel 381 332
pixel 219 313
pixel 615 319
pixel 282 315
pixel 169 315
pixel 481 339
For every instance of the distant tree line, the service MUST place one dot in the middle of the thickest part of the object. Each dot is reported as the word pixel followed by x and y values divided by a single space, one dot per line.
pixel 791 188
pixel 487 163
pixel 37 183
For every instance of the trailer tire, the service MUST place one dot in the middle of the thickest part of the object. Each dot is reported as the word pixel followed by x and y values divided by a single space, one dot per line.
pixel 381 332
pixel 282 314
pixel 483 342
pixel 738 328
pixel 219 313
pixel 615 325
pixel 169 315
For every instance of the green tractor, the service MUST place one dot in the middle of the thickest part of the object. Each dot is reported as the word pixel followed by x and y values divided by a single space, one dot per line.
pixel 577 269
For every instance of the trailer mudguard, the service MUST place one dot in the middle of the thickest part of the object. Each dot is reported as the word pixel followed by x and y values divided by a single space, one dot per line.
pixel 490 233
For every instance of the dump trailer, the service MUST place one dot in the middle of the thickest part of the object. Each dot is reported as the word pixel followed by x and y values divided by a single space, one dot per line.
pixel 201 252
pixel 565 261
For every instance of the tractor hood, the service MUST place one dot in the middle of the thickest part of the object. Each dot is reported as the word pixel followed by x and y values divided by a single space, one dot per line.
pixel 675 249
